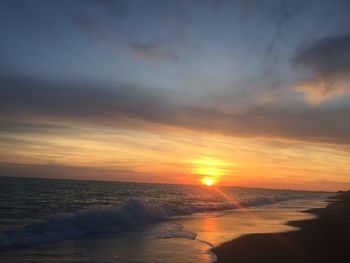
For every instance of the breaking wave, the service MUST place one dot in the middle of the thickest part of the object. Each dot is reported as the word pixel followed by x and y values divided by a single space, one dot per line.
pixel 92 221
pixel 133 213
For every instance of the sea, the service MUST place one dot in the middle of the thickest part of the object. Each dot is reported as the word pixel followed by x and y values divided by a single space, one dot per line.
pixel 49 220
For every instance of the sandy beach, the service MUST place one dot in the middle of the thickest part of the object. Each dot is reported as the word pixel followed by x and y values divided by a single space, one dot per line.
pixel 324 239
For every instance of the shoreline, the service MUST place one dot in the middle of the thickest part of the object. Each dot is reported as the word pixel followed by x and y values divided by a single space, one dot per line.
pixel 323 239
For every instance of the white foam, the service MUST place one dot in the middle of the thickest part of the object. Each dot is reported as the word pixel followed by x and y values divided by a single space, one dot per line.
pixel 91 221
pixel 133 213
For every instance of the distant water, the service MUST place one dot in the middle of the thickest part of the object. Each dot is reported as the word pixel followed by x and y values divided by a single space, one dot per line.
pixel 64 220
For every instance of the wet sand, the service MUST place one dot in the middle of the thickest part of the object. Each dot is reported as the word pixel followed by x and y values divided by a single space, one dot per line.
pixel 324 239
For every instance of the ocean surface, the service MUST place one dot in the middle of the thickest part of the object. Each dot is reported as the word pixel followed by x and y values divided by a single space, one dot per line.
pixel 44 220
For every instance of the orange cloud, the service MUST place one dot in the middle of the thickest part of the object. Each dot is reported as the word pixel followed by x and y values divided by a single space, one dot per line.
pixel 319 90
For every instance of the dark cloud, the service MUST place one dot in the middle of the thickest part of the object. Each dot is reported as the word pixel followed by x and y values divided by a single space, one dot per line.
pixel 32 99
pixel 39 98
pixel 282 17
pixel 328 64
pixel 329 56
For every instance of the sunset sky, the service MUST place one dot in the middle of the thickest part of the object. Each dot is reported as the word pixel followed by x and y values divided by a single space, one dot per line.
pixel 249 93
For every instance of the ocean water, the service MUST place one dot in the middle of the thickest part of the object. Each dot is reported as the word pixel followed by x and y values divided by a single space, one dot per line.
pixel 45 220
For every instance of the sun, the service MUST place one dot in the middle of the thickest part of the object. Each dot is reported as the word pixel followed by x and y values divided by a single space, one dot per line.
pixel 210 170
pixel 208 181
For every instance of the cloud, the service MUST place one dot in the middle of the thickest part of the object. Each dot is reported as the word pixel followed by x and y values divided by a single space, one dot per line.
pixel 73 172
pixel 97 19
pixel 28 99
pixel 39 98
pixel 328 65
pixel 153 51
pixel 170 48
pixel 319 90
pixel 282 16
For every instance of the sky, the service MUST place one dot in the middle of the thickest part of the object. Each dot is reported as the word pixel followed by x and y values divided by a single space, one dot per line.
pixel 246 93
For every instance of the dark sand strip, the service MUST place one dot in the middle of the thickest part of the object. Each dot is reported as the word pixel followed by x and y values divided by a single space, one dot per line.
pixel 325 239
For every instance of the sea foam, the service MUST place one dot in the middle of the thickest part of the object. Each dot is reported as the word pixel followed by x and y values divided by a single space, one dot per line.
pixel 133 213
pixel 91 221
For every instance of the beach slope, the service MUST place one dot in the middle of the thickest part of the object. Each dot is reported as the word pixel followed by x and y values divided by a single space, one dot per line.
pixel 324 239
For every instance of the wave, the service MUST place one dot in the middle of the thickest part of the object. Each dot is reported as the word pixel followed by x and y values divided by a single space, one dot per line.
pixel 133 213
pixel 92 221
pixel 259 201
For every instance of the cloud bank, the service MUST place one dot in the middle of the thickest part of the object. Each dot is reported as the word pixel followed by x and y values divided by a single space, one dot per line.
pixel 128 105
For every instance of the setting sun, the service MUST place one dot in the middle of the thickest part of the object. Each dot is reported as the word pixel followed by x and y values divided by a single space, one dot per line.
pixel 210 170
pixel 208 181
